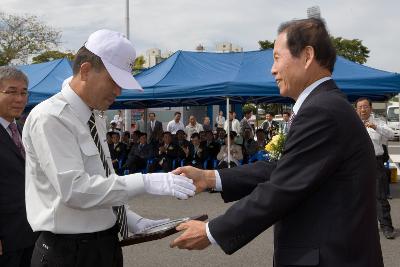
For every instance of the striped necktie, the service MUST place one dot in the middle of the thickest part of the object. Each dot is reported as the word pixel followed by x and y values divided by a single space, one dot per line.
pixel 16 137
pixel 120 210
pixel 291 120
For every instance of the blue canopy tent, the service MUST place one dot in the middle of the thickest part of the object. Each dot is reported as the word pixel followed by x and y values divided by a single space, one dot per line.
pixel 45 79
pixel 197 78
pixel 193 78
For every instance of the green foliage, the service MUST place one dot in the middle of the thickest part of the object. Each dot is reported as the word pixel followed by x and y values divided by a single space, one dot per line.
pixel 266 45
pixel 353 49
pixel 249 107
pixel 138 66
pixel 21 36
pixel 52 55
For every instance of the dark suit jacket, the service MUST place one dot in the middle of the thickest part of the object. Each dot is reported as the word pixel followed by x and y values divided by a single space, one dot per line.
pixel 152 133
pixel 15 231
pixel 320 195
pixel 147 152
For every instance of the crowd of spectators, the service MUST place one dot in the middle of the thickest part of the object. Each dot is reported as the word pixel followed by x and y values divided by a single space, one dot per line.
pixel 192 144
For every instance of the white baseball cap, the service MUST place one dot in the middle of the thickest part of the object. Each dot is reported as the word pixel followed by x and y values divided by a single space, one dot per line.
pixel 118 56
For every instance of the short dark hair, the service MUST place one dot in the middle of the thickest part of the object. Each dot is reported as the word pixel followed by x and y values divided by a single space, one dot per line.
pixel 127 133
pixel 362 99
pixel 152 113
pixel 259 130
pixel 167 133
pixel 286 112
pixel 176 113
pixel 194 135
pixel 310 32
pixel 84 55
pixel 141 134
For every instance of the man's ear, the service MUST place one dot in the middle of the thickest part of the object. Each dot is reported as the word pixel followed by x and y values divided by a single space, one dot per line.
pixel 309 56
pixel 84 70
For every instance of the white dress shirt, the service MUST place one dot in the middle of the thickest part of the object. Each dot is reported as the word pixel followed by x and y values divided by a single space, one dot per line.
pixel 173 127
pixel 296 108
pixel 67 190
pixel 190 129
pixel 235 126
pixel 380 135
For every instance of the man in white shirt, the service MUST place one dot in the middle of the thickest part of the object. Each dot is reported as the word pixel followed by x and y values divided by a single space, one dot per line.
pixel 233 123
pixel 378 131
pixel 192 127
pixel 72 194
pixel 176 124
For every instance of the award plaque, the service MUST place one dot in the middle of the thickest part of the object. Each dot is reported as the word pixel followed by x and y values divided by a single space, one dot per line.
pixel 159 231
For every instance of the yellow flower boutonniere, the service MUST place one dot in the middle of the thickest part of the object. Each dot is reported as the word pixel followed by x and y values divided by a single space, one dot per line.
pixel 275 147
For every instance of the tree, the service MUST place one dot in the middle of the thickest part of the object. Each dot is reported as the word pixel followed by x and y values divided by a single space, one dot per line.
pixel 22 36
pixel 138 66
pixel 52 55
pixel 353 49
pixel 249 107
pixel 266 45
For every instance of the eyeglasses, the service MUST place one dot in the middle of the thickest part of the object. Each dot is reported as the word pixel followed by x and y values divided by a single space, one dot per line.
pixel 363 107
pixel 16 93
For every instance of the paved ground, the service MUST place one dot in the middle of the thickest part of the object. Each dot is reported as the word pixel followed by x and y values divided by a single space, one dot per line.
pixel 257 253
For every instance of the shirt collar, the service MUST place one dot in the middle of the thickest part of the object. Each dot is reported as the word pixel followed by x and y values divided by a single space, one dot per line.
pixel 306 92
pixel 81 110
pixel 5 122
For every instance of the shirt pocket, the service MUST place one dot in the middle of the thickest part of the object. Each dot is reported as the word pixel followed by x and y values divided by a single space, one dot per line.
pixel 88 148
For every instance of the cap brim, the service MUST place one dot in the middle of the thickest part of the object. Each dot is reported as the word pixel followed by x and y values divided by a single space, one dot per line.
pixel 123 78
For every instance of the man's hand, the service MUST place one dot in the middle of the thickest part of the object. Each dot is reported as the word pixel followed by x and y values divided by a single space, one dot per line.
pixel 194 237
pixel 202 179
pixel 370 125
pixel 144 223
pixel 168 184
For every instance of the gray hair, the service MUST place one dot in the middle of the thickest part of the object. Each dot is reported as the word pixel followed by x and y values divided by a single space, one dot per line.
pixel 12 73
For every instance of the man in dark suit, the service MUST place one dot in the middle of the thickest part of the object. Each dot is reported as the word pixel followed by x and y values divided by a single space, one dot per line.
pixel 16 236
pixel 320 194
pixel 139 155
pixel 168 152
pixel 270 126
pixel 195 153
pixel 154 128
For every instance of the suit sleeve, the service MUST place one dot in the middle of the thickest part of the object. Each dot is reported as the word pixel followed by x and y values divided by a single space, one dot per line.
pixel 310 154
pixel 240 181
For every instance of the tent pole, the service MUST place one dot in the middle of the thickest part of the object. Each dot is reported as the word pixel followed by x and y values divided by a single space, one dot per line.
pixel 228 133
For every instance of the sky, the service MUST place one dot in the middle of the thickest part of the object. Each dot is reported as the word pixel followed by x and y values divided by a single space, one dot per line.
pixel 173 25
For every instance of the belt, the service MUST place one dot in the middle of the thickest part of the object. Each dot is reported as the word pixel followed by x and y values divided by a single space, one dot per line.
pixel 113 231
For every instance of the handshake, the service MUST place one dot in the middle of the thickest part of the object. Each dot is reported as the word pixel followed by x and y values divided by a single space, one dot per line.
pixel 182 183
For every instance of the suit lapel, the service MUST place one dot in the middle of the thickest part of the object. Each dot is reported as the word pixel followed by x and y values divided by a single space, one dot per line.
pixel 7 141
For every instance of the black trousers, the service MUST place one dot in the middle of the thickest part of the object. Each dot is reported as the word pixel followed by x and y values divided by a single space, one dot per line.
pixel 94 249
pixel 19 258
pixel 382 203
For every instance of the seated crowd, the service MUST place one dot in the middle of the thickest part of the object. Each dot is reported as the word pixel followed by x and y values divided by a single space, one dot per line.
pixel 193 145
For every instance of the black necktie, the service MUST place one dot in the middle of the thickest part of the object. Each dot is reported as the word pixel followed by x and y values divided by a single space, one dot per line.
pixel 120 210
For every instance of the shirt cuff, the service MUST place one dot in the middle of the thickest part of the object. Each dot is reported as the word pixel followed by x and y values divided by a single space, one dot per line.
pixel 209 236
pixel 218 183
pixel 134 184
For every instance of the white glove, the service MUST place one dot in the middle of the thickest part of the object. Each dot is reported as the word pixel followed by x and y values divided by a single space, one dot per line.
pixel 137 223
pixel 168 184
